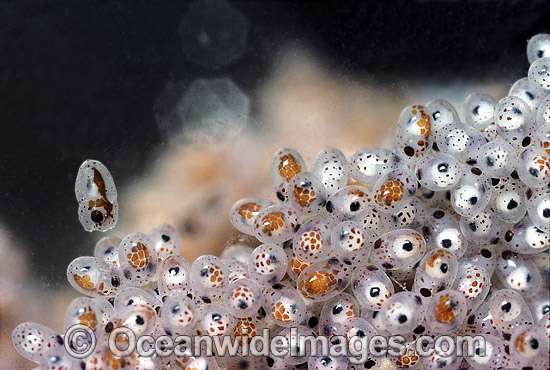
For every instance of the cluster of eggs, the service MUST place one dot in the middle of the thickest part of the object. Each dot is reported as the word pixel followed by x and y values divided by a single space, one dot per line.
pixel 446 234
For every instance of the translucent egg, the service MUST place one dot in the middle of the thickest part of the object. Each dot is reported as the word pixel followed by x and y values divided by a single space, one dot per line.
pixel 525 237
pixel 497 159
pixel 523 90
pixel 441 113
pixel 244 212
pixel 413 132
pixel 331 167
pixel 215 320
pixel 267 264
pixel 97 197
pixel 285 306
pixel 436 272
pixel 482 256
pixel 178 315
pixel 30 340
pixel 479 321
pixel 106 249
pixel 508 310
pixel 368 164
pixel 474 283
pixel 312 241
pixel 507 201
pixel 539 75
pixel 276 224
pixel 472 194
pixel 483 228
pixel 350 242
pixel 165 239
pixel 371 286
pixel 84 311
pixel 488 355
pixel 174 276
pixel 209 278
pixel 538 47
pixel 529 346
pixel 307 194
pixel 335 312
pixel 479 109
pixel 403 312
pixel 446 311
pixel 138 258
pixel 323 280
pixel 518 272
pixel 286 163
pixel 438 171
pixel 349 203
pixel 394 190
pixel 442 230
pixel 514 120
pixel 409 216
pixel 534 167
pixel 243 297
pixel 539 305
pixel 538 207
pixel 92 278
pixel 398 249
pixel 459 140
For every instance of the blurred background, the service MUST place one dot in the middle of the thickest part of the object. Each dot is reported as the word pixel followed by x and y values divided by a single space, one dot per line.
pixel 185 103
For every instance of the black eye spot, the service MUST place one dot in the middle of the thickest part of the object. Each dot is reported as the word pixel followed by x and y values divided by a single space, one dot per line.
pixel 402 319
pixel 270 361
pixel 471 162
pixel 360 333
pixel 509 235
pixel 166 238
pixel 377 243
pixel 446 243
pixel 174 271
pixel 325 361
pixel 473 200
pixel 329 207
pixel 374 292
pixel 506 307
pixel 486 253
pixel 473 226
pixel 490 161
pixel 313 322
pixel 408 246
pixel 476 171
pixel 280 196
pixel 337 309
pixel 204 271
pixel 216 317
pixel 534 343
pixel 545 309
pixel 97 217
pixel 475 111
pixel 526 141
pixel 512 204
pixel 439 214
pixel 419 329
pixel 242 305
pixel 354 206
pixel 425 292
pixel 471 319
pixel 546 213
pixel 139 320
pixel 436 115
pixel 109 327
pixel 540 54
pixel 443 167
pixel 115 281
pixel 444 268
pixel 408 151
pixel 533 171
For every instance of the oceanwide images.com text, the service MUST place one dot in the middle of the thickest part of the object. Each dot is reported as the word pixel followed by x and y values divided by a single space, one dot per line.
pixel 80 342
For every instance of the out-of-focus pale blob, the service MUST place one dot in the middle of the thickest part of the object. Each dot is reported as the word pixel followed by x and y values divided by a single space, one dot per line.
pixel 213 33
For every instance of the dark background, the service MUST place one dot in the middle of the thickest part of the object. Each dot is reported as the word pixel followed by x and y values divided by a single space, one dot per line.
pixel 79 79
